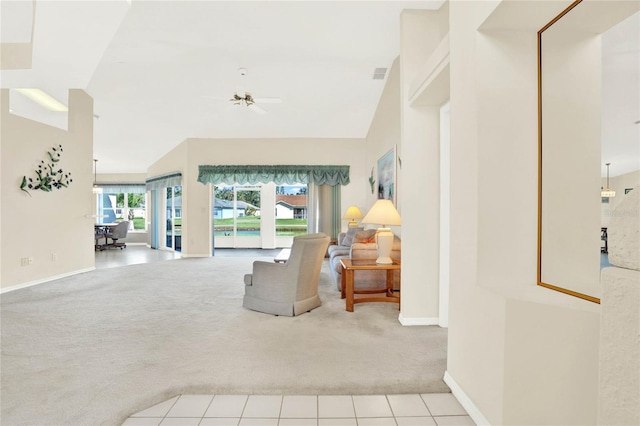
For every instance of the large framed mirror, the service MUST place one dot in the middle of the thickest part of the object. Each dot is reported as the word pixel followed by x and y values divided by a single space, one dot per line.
pixel 588 108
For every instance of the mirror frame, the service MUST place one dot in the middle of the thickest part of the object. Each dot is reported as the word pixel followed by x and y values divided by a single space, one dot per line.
pixel 539 272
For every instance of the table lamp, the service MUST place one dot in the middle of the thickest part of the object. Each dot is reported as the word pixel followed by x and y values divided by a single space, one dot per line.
pixel 383 213
pixel 352 214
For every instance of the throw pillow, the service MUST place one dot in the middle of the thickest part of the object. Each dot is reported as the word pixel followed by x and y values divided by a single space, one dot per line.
pixel 368 236
pixel 350 235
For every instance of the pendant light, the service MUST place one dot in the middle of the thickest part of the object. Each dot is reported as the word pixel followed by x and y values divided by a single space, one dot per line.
pixel 608 192
pixel 96 188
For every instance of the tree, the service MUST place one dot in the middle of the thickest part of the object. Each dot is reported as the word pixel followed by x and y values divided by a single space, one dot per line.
pixel 224 193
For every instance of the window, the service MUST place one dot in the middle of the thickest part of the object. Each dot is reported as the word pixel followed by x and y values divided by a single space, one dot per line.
pixel 251 216
pixel 291 210
pixel 236 211
pixel 126 202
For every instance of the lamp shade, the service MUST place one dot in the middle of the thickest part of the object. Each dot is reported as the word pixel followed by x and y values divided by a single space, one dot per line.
pixel 352 215
pixel 383 213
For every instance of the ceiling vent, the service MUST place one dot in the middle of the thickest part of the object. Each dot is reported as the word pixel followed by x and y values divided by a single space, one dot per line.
pixel 379 73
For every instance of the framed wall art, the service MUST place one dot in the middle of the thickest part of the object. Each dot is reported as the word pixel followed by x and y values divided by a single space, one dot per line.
pixel 387 176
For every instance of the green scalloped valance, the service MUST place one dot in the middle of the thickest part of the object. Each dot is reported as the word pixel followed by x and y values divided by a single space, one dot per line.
pixel 281 174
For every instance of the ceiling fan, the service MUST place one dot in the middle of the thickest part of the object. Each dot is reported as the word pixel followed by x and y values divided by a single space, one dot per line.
pixel 241 98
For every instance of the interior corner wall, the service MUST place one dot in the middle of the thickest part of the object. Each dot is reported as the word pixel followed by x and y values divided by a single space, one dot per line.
pixel 495 304
pixel 421 32
pixel 172 162
pixel 384 135
pixel 53 229
pixel 196 197
pixel 475 353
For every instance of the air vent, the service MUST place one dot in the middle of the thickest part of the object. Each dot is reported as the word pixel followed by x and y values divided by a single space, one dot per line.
pixel 379 73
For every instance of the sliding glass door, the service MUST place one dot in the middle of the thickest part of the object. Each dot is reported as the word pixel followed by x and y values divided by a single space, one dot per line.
pixel 237 216
pixel 173 230
pixel 258 216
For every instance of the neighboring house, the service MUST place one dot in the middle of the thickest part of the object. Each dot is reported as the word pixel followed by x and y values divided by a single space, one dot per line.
pixel 177 207
pixel 291 206
pixel 223 209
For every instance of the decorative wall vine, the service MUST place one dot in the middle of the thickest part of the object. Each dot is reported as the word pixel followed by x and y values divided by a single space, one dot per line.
pixel 372 181
pixel 48 174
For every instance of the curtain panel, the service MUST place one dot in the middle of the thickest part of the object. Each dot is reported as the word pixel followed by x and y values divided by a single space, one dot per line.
pixel 160 182
pixel 282 174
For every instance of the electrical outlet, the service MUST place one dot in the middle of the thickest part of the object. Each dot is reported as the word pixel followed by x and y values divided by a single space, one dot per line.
pixel 54 257
pixel 26 261
pixel 30 261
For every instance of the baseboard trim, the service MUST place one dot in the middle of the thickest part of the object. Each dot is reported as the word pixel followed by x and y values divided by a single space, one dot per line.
pixel 194 255
pixel 417 321
pixel 473 411
pixel 44 280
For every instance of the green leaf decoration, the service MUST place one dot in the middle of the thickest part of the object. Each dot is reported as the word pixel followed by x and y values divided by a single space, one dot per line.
pixel 54 178
pixel 372 181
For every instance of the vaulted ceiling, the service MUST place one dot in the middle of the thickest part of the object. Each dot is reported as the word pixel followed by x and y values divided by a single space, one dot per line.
pixel 162 71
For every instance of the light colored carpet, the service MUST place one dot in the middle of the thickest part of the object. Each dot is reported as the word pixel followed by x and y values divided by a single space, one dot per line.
pixel 96 347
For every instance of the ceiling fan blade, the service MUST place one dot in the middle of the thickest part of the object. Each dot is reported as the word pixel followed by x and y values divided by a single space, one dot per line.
pixel 256 108
pixel 267 100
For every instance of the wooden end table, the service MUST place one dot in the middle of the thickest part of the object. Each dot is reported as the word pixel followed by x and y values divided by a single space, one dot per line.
pixel 349 266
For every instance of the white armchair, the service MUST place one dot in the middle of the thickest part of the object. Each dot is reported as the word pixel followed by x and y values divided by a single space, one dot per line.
pixel 289 288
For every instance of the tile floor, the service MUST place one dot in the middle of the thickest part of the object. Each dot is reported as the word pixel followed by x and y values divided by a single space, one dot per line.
pixel 440 409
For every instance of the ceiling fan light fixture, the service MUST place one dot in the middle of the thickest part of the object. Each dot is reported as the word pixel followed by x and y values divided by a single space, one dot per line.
pixel 242 98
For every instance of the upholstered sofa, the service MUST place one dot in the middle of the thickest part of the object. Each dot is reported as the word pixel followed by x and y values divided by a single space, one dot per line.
pixel 358 243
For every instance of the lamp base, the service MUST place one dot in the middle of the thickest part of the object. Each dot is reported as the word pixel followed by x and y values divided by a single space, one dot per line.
pixel 352 224
pixel 384 239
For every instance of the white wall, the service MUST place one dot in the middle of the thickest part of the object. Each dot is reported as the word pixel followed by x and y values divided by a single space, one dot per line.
pixel 421 34
pixel 196 197
pixel 512 345
pixel 384 135
pixel 51 228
